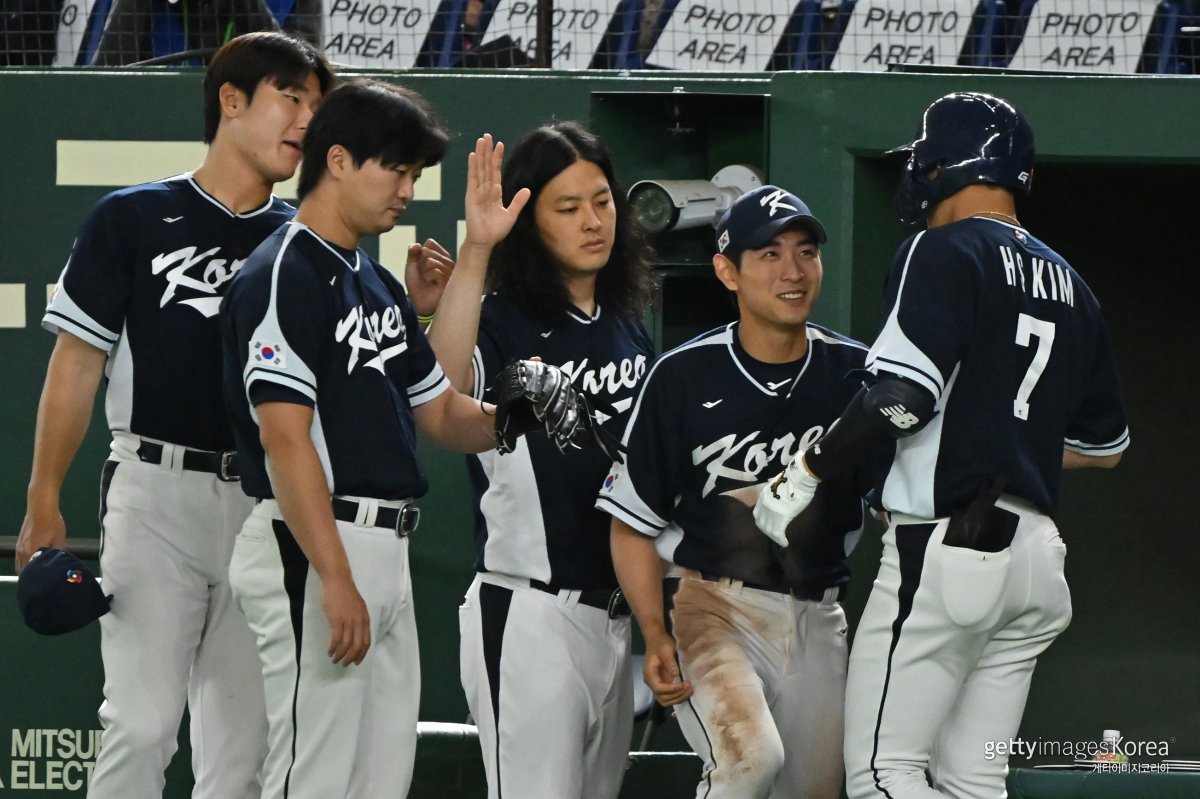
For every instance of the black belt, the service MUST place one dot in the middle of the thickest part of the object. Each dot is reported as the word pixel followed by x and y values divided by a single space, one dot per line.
pixel 223 464
pixel 612 602
pixel 811 595
pixel 402 520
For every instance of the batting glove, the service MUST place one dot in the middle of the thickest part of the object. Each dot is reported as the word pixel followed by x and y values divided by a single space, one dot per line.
pixel 783 499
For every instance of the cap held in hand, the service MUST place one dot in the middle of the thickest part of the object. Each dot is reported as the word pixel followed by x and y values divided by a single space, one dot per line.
pixel 57 593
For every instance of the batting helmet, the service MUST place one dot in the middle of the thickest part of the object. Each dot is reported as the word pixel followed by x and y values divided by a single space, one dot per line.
pixel 964 138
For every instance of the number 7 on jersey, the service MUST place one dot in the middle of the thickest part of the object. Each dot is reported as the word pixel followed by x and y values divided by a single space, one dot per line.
pixel 1028 326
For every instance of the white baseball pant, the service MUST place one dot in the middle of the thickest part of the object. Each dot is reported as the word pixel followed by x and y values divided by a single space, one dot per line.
pixel 334 731
pixel 944 655
pixel 768 673
pixel 549 684
pixel 173 634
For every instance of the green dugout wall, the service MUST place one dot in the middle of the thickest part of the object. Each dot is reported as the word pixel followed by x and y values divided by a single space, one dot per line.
pixel 1119 159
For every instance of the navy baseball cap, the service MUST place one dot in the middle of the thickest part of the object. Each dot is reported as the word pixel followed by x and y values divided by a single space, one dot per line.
pixel 755 217
pixel 57 593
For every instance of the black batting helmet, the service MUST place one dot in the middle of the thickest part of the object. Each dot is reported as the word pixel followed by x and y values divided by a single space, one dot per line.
pixel 968 138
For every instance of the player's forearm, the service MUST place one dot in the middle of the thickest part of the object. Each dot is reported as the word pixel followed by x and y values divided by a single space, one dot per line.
pixel 299 484
pixel 639 571
pixel 457 422
pixel 454 334
pixel 1076 460
pixel 64 412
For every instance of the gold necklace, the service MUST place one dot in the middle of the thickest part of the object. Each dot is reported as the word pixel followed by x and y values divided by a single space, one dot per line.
pixel 1002 216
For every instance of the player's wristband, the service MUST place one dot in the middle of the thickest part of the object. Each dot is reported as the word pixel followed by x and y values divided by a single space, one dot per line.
pixel 425 320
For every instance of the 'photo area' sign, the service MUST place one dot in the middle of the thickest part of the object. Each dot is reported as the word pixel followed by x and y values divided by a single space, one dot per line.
pixel 376 33
pixel 728 36
pixel 1102 36
pixel 579 26
pixel 882 32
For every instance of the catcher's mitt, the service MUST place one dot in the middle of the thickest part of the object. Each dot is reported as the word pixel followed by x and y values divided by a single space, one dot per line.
pixel 532 394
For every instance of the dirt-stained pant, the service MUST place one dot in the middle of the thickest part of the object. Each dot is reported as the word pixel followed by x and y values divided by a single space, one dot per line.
pixel 768 672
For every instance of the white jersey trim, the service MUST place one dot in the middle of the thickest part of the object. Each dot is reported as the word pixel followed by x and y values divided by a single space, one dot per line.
pixel 909 484
pixel 477 367
pixel 190 178
pixel 298 376
pixel 63 314
pixel 433 386
pixel 118 399
pixel 893 352
pixel 1120 444
pixel 715 338
pixel 301 226
pixel 647 522
pixel 512 511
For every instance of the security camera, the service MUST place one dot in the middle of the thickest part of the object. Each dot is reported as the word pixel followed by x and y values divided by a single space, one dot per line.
pixel 662 205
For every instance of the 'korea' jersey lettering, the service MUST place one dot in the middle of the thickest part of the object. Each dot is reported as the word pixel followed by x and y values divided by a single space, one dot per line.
pixel 143 283
pixel 992 321
pixel 700 443
pixel 535 517
pixel 316 324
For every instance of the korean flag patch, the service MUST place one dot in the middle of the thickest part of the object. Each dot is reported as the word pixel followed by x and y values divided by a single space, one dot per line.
pixel 267 354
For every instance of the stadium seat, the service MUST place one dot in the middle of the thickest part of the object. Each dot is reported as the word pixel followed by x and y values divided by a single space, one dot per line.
pixel 443 46
pixel 802 45
pixel 619 47
pixel 94 30
pixel 986 44
pixel 1161 55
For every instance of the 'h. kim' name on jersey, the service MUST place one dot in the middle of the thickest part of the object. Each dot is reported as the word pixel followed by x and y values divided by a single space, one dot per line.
pixel 1047 280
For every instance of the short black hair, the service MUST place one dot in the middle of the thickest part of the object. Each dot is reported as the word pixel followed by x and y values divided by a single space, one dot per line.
pixel 522 268
pixel 371 119
pixel 248 60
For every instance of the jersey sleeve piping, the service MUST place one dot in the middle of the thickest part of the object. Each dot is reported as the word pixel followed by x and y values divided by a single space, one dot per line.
pixel 477 367
pixel 268 375
pixel 431 387
pixel 298 376
pixel 650 527
pixel 904 358
pixel 1120 444
pixel 64 314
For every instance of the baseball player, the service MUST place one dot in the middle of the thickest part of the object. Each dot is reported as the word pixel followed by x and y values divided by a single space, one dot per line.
pixel 760 637
pixel 137 302
pixel 545 646
pixel 329 376
pixel 993 372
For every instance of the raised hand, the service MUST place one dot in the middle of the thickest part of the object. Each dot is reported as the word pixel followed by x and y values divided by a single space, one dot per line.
pixel 488 220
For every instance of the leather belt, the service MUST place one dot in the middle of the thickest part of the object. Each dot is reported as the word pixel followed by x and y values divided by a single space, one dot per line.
pixel 222 464
pixel 403 521
pixel 612 602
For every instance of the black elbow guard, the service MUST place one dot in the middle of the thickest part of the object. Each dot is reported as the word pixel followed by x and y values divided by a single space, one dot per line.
pixel 898 407
pixel 888 409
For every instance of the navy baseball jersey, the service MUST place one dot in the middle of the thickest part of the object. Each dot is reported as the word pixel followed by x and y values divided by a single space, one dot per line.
pixel 1011 343
pixel 309 322
pixel 710 425
pixel 535 517
pixel 144 283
